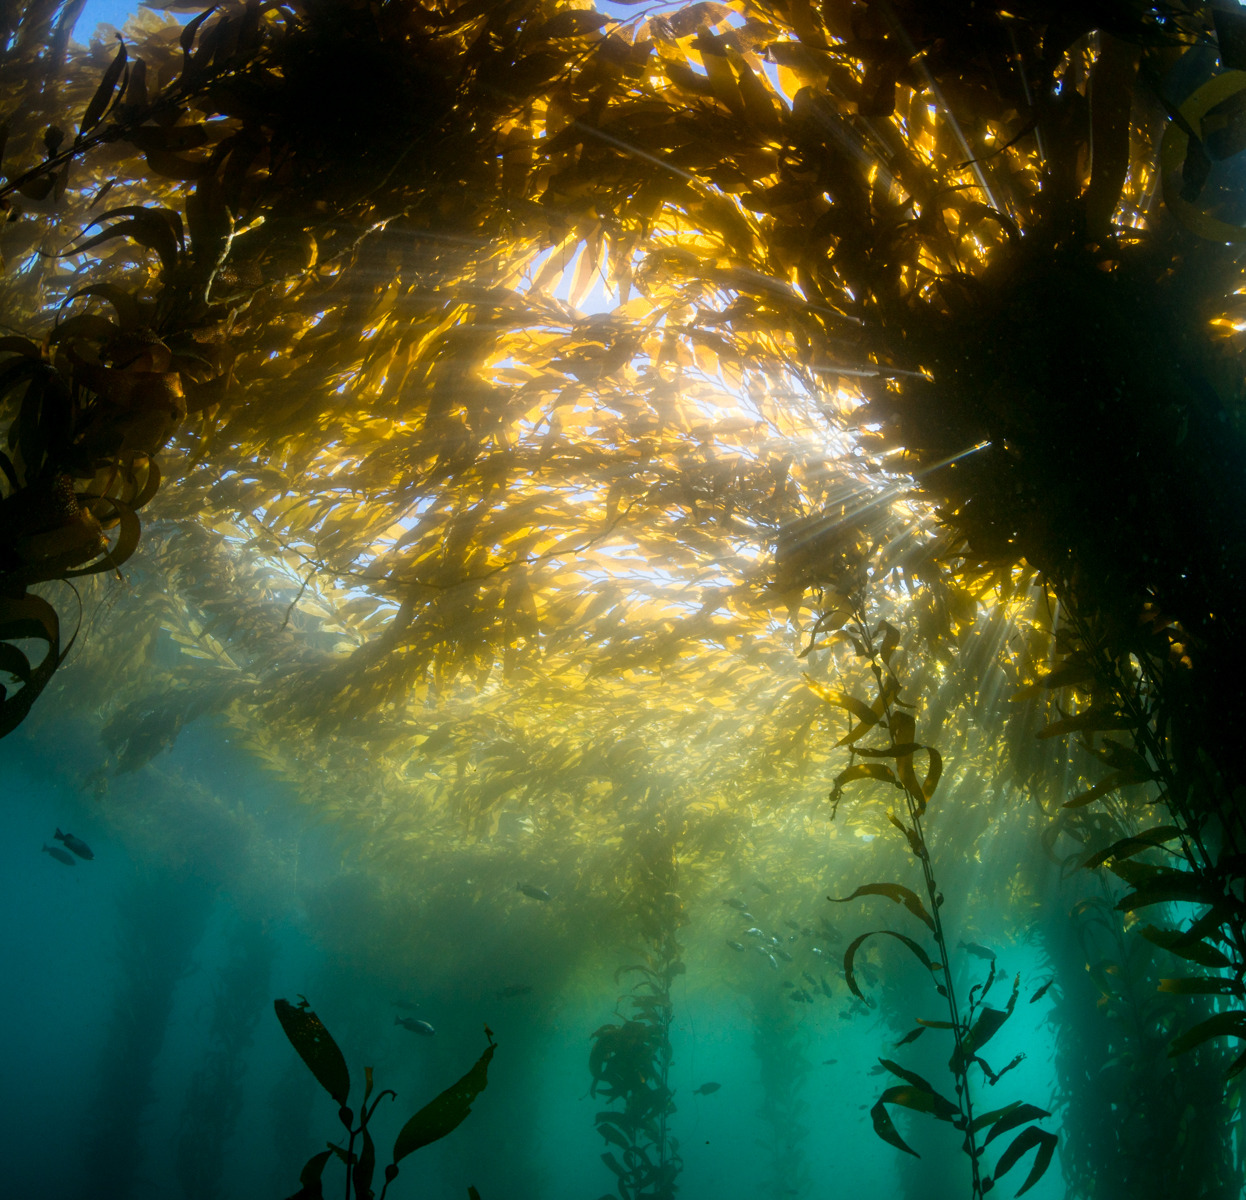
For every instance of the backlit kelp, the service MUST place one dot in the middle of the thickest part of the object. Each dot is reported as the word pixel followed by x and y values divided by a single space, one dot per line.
pixel 972 1023
pixel 492 411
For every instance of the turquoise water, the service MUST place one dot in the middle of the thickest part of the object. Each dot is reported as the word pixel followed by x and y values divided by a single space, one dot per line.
pixel 783 1122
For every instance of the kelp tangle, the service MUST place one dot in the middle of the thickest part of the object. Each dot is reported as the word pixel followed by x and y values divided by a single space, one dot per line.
pixel 503 405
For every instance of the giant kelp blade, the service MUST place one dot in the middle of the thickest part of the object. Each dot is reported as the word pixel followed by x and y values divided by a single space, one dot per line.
pixel 1169 887
pixel 985 1027
pixel 851 953
pixel 103 94
pixel 309 1177
pixel 885 1128
pixel 921 1100
pixel 1202 985
pixel 893 891
pixel 1010 1118
pixel 865 771
pixel 29 617
pixel 1033 1138
pixel 1180 944
pixel 1231 1024
pixel 316 1048
pixel 1093 720
pixel 446 1112
pixel 1127 847
pixel 912 1077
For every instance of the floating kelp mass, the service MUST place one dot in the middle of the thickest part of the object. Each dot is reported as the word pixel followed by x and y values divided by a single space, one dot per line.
pixel 692 557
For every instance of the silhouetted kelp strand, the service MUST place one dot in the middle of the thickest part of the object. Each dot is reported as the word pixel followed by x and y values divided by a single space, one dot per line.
pixel 971 1033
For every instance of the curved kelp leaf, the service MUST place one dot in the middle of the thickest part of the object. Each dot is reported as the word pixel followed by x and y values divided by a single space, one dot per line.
pixel 1149 839
pixel 868 715
pixel 1202 985
pixel 862 771
pixel 445 1113
pixel 1092 720
pixel 936 1104
pixel 104 93
pixel 991 1019
pixel 1181 944
pixel 885 1128
pixel 315 1047
pixel 1225 1024
pixel 921 1100
pixel 893 891
pixel 28 617
pixel 309 1177
pixel 1010 1118
pixel 1167 886
pixel 851 953
pixel 1033 1138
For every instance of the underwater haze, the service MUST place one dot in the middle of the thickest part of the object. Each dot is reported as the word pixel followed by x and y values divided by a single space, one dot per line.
pixel 622 601
pixel 144 1057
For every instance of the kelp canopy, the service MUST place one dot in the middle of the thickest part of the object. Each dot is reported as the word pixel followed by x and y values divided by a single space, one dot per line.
pixel 500 406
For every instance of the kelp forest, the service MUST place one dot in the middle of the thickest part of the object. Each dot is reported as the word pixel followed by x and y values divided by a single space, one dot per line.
pixel 623 600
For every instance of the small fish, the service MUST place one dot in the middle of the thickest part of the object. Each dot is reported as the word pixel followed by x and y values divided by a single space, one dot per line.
pixel 706 1089
pixel 736 903
pixel 809 979
pixel 532 892
pixel 783 954
pixel 1042 991
pixel 877 1069
pixel 792 925
pixel 978 951
pixel 736 945
pixel 414 1025
pixel 774 962
pixel 748 916
pixel 829 1062
pixel 819 951
pixel 511 990
pixel 57 853
pixel 762 951
pixel 826 989
pixel 754 932
pixel 801 996
pixel 761 887
pixel 77 845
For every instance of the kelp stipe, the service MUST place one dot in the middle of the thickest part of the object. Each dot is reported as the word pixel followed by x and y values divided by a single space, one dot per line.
pixel 631 1062
pixel 440 1116
pixel 973 1025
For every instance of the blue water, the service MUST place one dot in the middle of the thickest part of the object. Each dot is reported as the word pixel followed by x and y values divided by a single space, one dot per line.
pixel 531 1134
